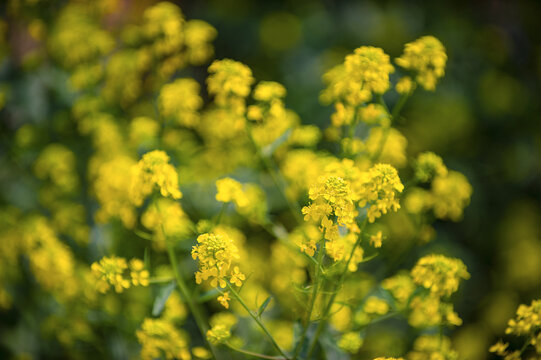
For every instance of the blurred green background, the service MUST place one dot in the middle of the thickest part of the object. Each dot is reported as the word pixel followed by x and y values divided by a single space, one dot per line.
pixel 484 118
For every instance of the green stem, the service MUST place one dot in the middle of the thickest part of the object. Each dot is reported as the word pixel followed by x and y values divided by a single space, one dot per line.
pixel 294 208
pixel 194 309
pixel 254 354
pixel 198 316
pixel 221 213
pixel 320 255
pixel 394 114
pixel 256 319
pixel 325 313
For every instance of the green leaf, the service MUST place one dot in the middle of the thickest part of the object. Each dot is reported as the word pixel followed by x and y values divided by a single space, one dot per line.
pixel 206 296
pixel 161 299
pixel 269 149
pixel 264 306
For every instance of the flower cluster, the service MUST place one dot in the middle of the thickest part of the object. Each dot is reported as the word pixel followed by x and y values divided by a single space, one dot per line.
pixel 439 274
pixel 378 189
pixel 219 334
pixel 432 347
pixel 181 102
pixel 365 72
pixel 111 271
pixel 230 82
pixel 331 196
pixel 167 220
pixel 527 320
pixel 160 338
pixel 350 342
pixel 154 170
pixel 249 199
pixel 428 166
pixel 216 254
pixel 426 57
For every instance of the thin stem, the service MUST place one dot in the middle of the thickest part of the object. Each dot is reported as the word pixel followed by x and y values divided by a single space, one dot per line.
pixel 394 114
pixel 325 313
pixel 256 319
pixel 294 208
pixel 254 354
pixel 221 213
pixel 306 325
pixel 198 316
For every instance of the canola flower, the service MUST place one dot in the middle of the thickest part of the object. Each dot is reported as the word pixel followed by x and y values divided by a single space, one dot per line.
pixel 152 171
pixel 426 57
pixel 379 189
pixel 159 338
pixel 439 274
pixel 314 272
pixel 112 272
pixel 216 254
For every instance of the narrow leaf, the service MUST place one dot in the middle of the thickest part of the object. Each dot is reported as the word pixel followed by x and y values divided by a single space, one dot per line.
pixel 161 299
pixel 264 306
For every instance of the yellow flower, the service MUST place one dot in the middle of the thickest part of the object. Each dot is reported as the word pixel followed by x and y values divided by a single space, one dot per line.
pixel 426 56
pixel 237 277
pixel 138 274
pixel 110 271
pixel 350 342
pixel 249 199
pixel 439 274
pixel 154 170
pixel 527 319
pixel 450 195
pixel 428 166
pixel 375 306
pixel 180 101
pixel 231 190
pixel 378 189
pixel 375 114
pixel 401 287
pixel 216 254
pixel 375 240
pixel 405 86
pixel 224 299
pixel 159 338
pixel 371 67
pixel 427 347
pixel 198 35
pixel 230 82
pixel 268 90
pixel 363 73
pixel 218 334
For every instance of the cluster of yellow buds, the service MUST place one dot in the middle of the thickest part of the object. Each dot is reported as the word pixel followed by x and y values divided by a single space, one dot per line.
pixel 216 254
pixel 332 197
pixel 230 82
pixel 528 319
pixel 439 274
pixel 363 73
pixel 218 334
pixel 249 199
pixel 427 58
pixel 432 347
pixel 154 170
pixel 379 188
pixel 350 342
pixel 111 271
pixel 160 338
pixel 428 166
pixel 183 112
